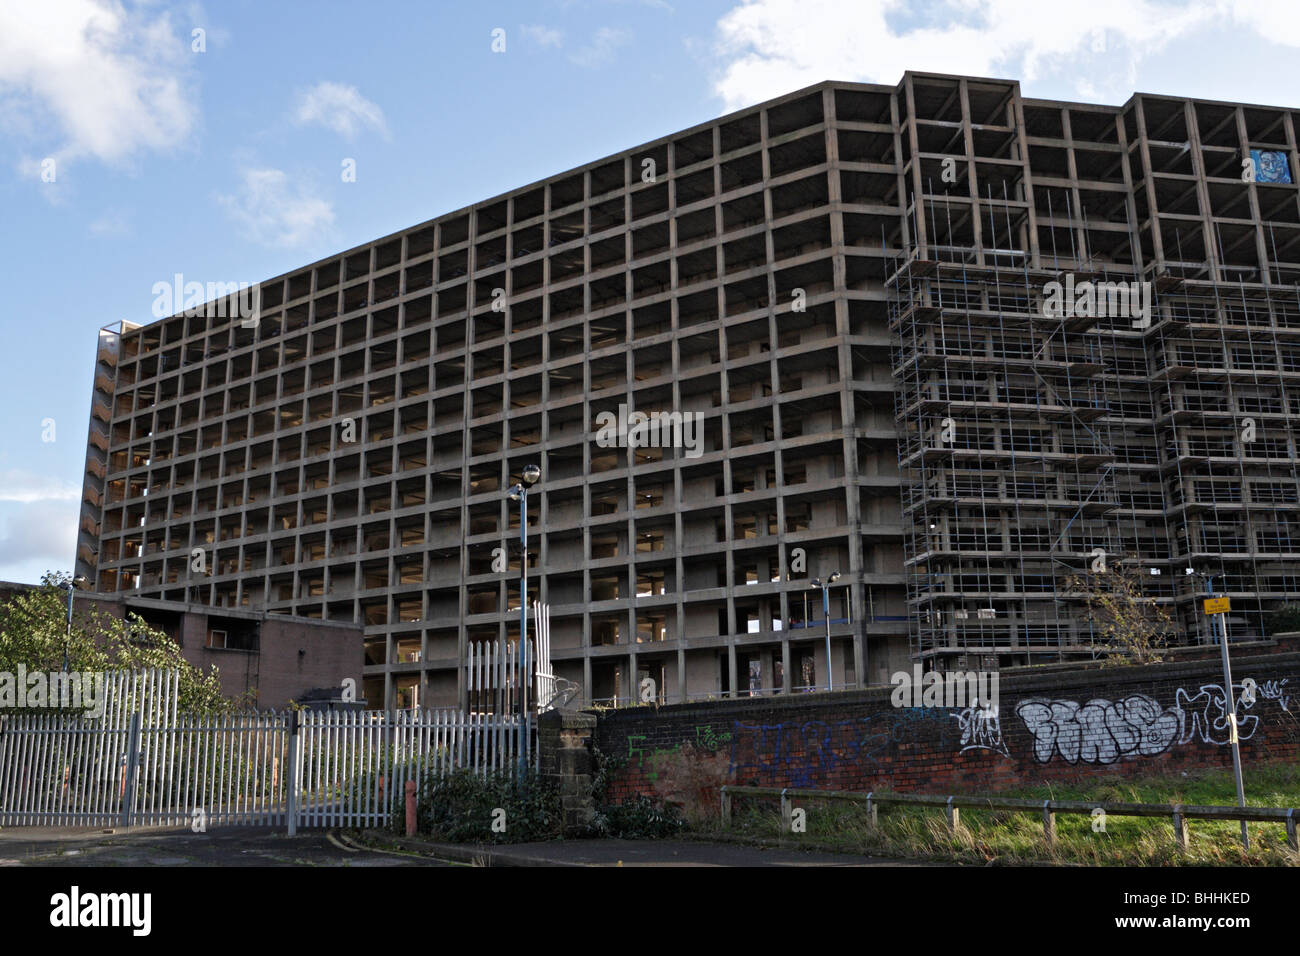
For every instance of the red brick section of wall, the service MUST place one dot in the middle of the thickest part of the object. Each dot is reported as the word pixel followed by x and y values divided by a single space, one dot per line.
pixel 1066 724
pixel 277 672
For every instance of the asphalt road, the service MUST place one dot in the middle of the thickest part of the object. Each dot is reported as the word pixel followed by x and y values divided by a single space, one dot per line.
pixel 270 846
pixel 222 846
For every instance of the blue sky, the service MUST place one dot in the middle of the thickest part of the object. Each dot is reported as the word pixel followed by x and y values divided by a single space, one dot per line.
pixel 224 163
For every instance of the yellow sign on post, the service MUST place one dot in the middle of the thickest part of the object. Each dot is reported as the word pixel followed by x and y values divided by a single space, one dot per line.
pixel 1217 605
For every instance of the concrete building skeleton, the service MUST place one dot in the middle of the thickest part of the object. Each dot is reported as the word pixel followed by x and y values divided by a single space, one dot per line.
pixel 847 283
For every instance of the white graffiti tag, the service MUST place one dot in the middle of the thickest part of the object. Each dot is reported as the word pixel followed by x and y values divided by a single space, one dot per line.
pixel 1205 716
pixel 1099 731
pixel 980 730
pixel 1276 690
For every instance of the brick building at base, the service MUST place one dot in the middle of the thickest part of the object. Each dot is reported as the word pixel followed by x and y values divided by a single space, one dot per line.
pixel 278 657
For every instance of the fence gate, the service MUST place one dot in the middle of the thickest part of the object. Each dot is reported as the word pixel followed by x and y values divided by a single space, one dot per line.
pixel 353 765
pixel 62 770
pixel 151 766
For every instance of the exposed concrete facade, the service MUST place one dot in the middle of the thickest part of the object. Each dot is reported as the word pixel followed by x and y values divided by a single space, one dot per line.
pixel 781 272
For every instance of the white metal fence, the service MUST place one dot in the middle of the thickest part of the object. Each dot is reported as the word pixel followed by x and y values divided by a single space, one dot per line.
pixel 353 763
pixel 152 766
pixel 492 670
pixel 492 677
pixel 546 689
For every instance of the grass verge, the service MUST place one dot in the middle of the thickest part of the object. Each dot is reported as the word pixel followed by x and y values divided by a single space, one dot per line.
pixel 1012 838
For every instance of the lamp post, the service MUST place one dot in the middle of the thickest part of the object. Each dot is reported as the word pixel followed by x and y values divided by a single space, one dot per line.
pixel 1220 630
pixel 826 613
pixel 70 586
pixel 519 493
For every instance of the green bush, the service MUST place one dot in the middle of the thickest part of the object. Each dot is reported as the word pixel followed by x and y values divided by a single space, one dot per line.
pixel 461 806
pixel 639 819
pixel 1283 619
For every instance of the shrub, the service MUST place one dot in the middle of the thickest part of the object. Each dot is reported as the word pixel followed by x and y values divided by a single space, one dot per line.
pixel 461 806
pixel 639 819
pixel 1283 619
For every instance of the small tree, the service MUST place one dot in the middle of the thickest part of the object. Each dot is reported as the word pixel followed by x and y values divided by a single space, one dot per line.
pixel 1282 619
pixel 1129 626
pixel 34 634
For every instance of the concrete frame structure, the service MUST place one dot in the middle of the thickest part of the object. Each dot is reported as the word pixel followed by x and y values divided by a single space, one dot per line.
pixel 1038 442
pixel 787 271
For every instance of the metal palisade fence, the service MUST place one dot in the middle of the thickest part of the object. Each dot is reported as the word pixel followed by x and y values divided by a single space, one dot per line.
pixel 143 763
pixel 350 764
pixel 492 670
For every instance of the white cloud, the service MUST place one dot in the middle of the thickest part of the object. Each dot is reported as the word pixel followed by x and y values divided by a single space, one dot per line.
pixel 94 78
pixel 600 51
pixel 27 487
pixel 771 47
pixel 1279 22
pixel 338 107
pixel 273 212
pixel 111 225
pixel 541 35
pixel 43 534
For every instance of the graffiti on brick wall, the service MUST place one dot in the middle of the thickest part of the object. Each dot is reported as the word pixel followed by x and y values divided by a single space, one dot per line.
pixel 709 740
pixel 1277 690
pixel 1097 731
pixel 1103 731
pixel 1100 731
pixel 650 761
pixel 799 753
pixel 981 729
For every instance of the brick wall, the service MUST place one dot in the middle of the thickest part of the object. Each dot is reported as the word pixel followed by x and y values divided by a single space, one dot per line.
pixel 1061 723
pixel 294 654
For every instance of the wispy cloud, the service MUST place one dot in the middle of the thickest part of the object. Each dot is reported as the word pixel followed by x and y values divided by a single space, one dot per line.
pixel 340 108
pixel 17 484
pixel 274 212
pixel 111 225
pixel 94 78
pixel 541 35
pixel 38 522
pixel 600 51
pixel 770 47
pixel 40 534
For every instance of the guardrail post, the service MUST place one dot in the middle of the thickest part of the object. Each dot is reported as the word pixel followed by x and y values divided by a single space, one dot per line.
pixel 132 767
pixel 871 809
pixel 786 811
pixel 1291 838
pixel 1049 823
pixel 293 776
pixel 1180 828
pixel 726 809
pixel 954 818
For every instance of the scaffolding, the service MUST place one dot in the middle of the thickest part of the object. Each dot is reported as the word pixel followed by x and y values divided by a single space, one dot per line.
pixel 1040 444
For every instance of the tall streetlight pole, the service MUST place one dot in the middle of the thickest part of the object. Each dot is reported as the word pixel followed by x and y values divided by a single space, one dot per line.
pixel 1219 627
pixel 519 493
pixel 826 613
pixel 70 587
